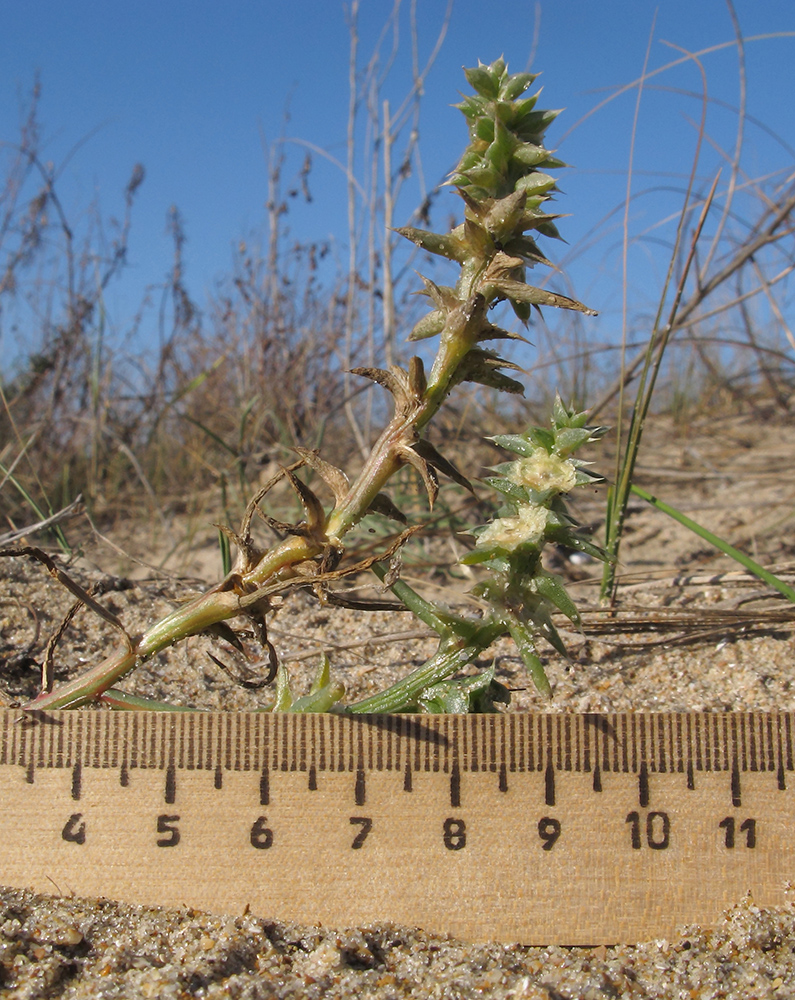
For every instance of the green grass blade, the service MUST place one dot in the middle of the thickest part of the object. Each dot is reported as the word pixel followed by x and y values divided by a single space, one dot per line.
pixel 753 567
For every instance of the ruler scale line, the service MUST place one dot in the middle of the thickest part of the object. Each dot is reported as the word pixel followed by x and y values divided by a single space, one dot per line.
pixel 515 823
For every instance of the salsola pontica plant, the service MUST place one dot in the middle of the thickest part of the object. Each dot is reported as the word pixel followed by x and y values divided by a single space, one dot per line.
pixel 503 180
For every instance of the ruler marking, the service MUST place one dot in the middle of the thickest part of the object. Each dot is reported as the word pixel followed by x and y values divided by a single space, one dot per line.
pixel 757 743
pixel 360 755
pixel 502 783
pixel 591 735
pixel 455 785
pixel 170 790
pixel 186 757
pixel 772 744
pixel 203 722
pixel 740 745
pixel 301 742
pixel 697 743
pixel 709 724
pixel 781 781
pixel 546 747
pixel 77 780
pixel 527 726
pixel 321 748
pixel 360 788
pixel 116 747
pixel 312 780
pixel 264 786
pixel 643 785
pixel 57 739
pixel 735 785
pixel 549 785
pixel 218 778
pixel 407 783
pixel 623 765
pixel 39 737
pixel 171 729
pixel 597 778
pixel 691 779
pixel 77 736
pixel 293 744
pixel 153 727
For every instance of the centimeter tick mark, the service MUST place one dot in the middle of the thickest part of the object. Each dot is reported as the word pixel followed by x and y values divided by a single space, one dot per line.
pixel 597 779
pixel 171 785
pixel 503 783
pixel 643 785
pixel 313 778
pixel 218 778
pixel 455 785
pixel 549 785
pixel 124 775
pixel 736 795
pixel 407 779
pixel 359 789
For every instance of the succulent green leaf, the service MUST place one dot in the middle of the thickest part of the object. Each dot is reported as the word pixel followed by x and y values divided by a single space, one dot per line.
pixel 551 588
pixel 565 536
pixel 481 80
pixel 284 698
pixel 569 439
pixel 516 85
pixel 530 155
pixel 514 442
pixel 524 638
pixel 461 695
pixel 517 291
pixel 541 438
pixel 535 183
pixel 429 326
pixel 514 491
pixel 444 246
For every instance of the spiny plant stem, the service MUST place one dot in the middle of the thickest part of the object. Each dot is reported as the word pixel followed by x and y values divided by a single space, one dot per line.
pixel 501 181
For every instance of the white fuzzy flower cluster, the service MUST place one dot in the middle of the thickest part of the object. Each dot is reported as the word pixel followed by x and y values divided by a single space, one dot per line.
pixel 542 471
pixel 510 532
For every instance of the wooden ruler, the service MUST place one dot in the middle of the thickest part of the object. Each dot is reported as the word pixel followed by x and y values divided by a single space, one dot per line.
pixel 575 829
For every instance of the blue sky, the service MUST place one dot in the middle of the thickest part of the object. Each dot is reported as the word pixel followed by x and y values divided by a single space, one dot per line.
pixel 189 89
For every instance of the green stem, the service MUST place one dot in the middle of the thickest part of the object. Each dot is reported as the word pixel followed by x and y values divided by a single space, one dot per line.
pixel 453 654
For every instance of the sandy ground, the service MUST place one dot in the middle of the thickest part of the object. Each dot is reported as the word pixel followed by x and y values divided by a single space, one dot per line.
pixel 693 633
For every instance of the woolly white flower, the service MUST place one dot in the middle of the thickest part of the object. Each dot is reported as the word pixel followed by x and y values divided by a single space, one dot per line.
pixel 510 532
pixel 543 471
